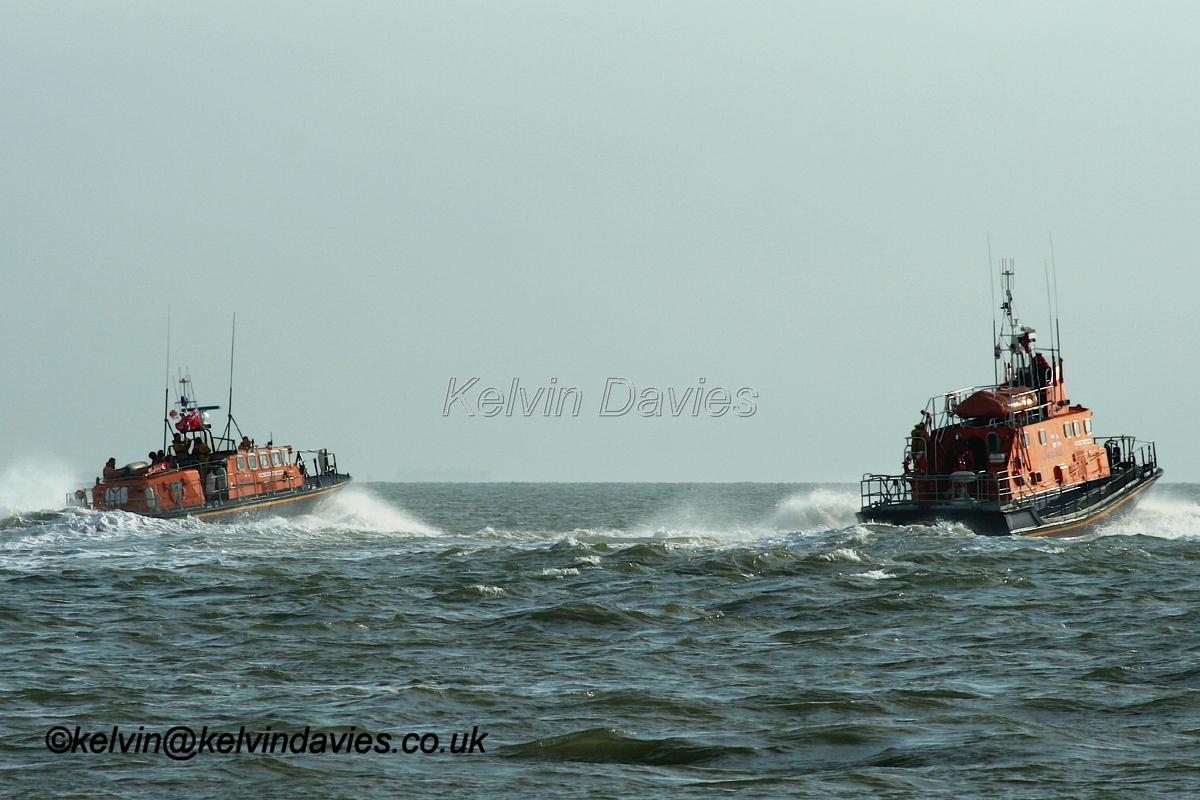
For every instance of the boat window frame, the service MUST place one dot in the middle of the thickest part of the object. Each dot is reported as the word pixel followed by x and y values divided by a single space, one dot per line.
pixel 1076 428
pixel 1087 426
pixel 276 458
pixel 252 461
pixel 1067 429
pixel 241 463
pixel 1042 435
pixel 1025 438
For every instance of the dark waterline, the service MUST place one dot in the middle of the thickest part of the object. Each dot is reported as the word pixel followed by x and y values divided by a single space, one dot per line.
pixel 613 640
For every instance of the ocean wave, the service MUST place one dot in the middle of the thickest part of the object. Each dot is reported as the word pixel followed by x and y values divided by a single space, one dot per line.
pixel 38 485
pixel 611 746
pixel 842 554
pixel 357 508
pixel 1162 515
pixel 817 509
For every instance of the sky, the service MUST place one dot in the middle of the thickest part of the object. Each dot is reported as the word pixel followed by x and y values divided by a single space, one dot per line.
pixel 793 198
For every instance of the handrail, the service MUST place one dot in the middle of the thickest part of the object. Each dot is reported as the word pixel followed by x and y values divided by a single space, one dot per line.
pixel 1131 461
pixel 940 408
pixel 882 490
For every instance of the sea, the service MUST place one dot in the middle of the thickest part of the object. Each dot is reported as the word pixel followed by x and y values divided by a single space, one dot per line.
pixel 600 640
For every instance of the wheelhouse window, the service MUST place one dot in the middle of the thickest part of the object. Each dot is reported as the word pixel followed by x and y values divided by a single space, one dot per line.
pixel 1075 426
pixel 1025 438
pixel 1087 426
pixel 1067 429
pixel 252 460
pixel 1042 435
pixel 241 463
pixel 277 458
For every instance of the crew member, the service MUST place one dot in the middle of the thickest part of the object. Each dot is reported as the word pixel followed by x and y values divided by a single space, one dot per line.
pixel 110 469
pixel 919 438
pixel 1041 371
pixel 200 449
pixel 180 446
pixel 961 452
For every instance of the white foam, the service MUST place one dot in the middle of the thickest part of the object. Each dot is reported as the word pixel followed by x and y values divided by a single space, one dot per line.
pixel 1159 515
pixel 82 535
pixel 560 539
pixel 687 526
pixel 818 509
pixel 38 485
pixel 560 573
pixel 875 575
pixel 842 554
pixel 357 508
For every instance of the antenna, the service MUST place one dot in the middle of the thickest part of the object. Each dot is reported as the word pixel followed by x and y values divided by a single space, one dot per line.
pixel 229 420
pixel 167 383
pixel 1054 266
pixel 232 341
pixel 1049 310
pixel 992 286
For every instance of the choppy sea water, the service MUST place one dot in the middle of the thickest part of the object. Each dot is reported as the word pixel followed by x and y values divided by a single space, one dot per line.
pixel 612 640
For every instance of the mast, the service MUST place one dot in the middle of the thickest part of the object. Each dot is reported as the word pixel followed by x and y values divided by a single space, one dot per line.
pixel 167 384
pixel 1057 330
pixel 229 406
pixel 992 286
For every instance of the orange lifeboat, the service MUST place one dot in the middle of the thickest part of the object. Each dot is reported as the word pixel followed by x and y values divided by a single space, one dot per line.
pixel 213 477
pixel 1012 458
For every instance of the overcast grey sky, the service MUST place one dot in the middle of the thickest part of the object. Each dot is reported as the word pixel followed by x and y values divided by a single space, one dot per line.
pixel 789 197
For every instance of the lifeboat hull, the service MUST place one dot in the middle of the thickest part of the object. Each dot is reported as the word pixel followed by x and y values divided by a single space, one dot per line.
pixel 284 501
pixel 290 503
pixel 1072 514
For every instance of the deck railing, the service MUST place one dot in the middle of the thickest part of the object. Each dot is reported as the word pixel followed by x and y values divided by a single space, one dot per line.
pixel 1130 461
pixel 940 410
pixel 884 490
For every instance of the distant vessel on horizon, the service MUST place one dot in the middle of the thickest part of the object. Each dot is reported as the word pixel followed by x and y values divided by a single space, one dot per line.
pixel 1015 457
